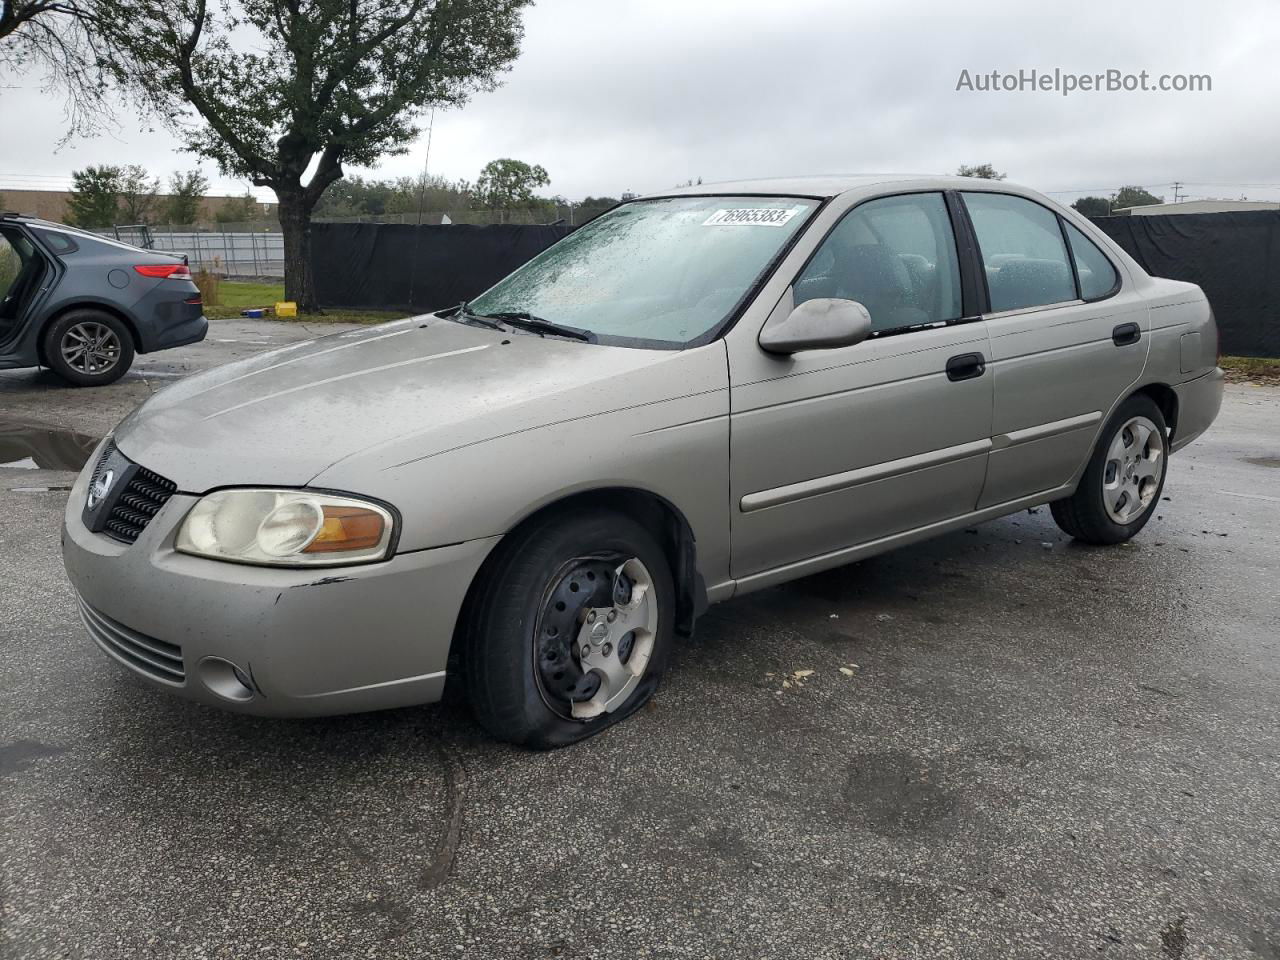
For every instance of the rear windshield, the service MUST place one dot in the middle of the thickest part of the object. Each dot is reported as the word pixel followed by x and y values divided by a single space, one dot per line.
pixel 665 272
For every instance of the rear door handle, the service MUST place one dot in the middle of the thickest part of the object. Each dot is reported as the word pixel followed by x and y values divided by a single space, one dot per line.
pixel 966 366
pixel 1126 334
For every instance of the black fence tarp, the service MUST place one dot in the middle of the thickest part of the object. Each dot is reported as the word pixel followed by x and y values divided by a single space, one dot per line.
pixel 1234 257
pixel 392 266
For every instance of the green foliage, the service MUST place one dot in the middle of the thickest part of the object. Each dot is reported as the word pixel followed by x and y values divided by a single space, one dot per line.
pixel 274 83
pixel 95 196
pixel 58 43
pixel 239 209
pixel 508 185
pixel 1133 197
pixel 186 190
pixel 983 171
pixel 10 265
pixel 360 197
pixel 1092 207
pixel 137 194
pixel 279 87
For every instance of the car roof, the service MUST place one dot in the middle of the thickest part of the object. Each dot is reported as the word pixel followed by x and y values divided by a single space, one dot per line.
pixel 832 185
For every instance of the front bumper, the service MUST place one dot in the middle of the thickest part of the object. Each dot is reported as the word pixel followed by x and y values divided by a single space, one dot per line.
pixel 312 642
pixel 1199 401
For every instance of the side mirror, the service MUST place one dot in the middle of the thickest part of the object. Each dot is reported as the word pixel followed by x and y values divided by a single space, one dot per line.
pixel 819 324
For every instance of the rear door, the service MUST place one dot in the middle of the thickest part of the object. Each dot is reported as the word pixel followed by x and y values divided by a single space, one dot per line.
pixel 22 267
pixel 1067 341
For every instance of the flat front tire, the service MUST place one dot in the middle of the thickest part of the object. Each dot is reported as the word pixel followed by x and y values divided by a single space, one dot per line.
pixel 569 629
pixel 1122 484
pixel 88 348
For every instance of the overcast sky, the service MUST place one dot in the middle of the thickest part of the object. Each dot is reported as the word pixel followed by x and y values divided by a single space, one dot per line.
pixel 611 95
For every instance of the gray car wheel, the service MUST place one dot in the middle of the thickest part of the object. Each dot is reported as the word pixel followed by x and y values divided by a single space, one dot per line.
pixel 88 348
pixel 568 629
pixel 1124 478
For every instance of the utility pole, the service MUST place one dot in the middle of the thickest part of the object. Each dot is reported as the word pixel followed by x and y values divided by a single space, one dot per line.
pixel 1176 187
pixel 426 160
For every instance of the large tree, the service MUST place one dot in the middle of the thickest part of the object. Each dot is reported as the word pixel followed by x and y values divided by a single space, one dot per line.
pixel 286 88
pixel 137 194
pixel 508 184
pixel 95 196
pixel 59 42
pixel 186 190
pixel 1133 197
pixel 1093 207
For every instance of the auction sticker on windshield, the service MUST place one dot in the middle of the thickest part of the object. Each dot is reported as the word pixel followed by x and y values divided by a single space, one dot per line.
pixel 751 216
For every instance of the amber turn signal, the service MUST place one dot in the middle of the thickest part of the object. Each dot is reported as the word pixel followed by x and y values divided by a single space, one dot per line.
pixel 347 528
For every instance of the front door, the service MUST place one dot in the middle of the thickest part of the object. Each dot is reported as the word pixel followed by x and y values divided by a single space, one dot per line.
pixel 836 448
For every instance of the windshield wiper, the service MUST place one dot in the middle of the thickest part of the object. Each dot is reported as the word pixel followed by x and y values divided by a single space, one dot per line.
pixel 462 314
pixel 527 321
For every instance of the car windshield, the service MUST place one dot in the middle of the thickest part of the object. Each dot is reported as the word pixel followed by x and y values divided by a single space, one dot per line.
pixel 658 273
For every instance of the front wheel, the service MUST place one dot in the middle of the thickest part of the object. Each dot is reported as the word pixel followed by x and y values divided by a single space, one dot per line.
pixel 1122 484
pixel 569 629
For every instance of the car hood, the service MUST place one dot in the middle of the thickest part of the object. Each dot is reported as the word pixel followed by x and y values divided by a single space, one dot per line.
pixel 399 392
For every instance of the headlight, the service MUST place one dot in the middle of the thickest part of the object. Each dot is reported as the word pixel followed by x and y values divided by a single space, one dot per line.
pixel 289 528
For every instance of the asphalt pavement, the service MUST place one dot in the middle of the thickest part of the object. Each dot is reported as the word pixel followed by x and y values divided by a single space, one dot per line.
pixel 999 743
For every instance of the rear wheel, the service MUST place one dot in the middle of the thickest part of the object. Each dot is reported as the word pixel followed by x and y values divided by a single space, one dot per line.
pixel 570 629
pixel 88 348
pixel 1122 484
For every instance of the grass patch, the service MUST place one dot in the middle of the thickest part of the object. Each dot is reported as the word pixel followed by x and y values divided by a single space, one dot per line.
pixel 1251 369
pixel 234 296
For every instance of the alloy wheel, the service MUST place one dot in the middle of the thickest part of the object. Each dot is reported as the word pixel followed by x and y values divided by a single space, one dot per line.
pixel 595 635
pixel 90 347
pixel 1133 470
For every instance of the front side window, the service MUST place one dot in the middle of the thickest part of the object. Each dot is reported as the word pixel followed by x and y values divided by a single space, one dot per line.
pixel 1022 251
pixel 663 272
pixel 896 256
pixel 1097 276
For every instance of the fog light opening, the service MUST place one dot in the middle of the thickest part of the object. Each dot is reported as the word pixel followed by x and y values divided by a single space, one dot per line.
pixel 226 679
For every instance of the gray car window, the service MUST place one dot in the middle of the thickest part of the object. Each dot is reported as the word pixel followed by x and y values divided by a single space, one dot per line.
pixel 896 256
pixel 655 272
pixel 1022 251
pixel 1097 275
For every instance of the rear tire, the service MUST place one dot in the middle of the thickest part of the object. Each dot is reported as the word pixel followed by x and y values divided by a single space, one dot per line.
pixel 571 581
pixel 1125 477
pixel 88 348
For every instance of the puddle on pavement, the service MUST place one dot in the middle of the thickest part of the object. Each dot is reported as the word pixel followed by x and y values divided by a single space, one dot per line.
pixel 1263 461
pixel 28 447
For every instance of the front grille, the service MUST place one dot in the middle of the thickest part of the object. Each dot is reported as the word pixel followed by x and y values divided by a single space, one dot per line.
pixel 130 496
pixel 156 659
pixel 141 500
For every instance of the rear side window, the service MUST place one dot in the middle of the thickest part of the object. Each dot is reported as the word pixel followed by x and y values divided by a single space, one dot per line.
pixel 896 256
pixel 1097 276
pixel 1022 251
pixel 58 242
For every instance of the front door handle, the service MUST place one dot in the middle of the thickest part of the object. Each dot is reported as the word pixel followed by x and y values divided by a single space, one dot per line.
pixel 1126 334
pixel 966 366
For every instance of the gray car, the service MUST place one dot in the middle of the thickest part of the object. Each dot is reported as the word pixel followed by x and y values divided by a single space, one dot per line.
pixel 694 396
pixel 84 305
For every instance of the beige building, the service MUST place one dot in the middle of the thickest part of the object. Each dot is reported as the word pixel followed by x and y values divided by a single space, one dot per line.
pixel 52 204
pixel 1195 206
